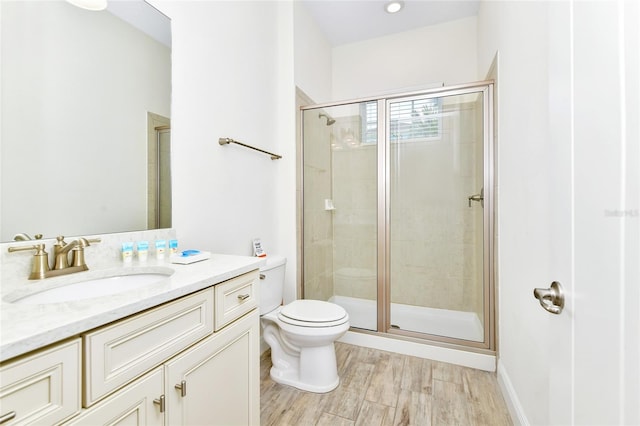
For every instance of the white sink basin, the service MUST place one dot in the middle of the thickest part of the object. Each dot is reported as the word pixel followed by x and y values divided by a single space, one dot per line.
pixel 95 288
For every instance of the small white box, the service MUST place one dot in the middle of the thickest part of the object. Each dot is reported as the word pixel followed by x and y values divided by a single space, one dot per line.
pixel 190 256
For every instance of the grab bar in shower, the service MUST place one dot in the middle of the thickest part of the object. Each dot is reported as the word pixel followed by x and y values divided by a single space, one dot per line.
pixel 226 141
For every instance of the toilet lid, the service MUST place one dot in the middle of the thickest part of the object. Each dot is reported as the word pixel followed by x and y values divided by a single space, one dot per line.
pixel 312 311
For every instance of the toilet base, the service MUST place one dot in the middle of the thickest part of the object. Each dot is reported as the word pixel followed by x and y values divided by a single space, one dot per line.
pixel 279 377
pixel 309 368
pixel 316 370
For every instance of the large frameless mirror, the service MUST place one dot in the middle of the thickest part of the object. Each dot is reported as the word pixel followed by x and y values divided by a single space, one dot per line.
pixel 83 95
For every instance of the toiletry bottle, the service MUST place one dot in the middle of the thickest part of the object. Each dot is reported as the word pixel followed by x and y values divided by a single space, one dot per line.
pixel 143 250
pixel 160 248
pixel 173 247
pixel 127 252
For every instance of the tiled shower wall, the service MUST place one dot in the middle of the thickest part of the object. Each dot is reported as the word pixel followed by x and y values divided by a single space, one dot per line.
pixel 318 222
pixel 355 217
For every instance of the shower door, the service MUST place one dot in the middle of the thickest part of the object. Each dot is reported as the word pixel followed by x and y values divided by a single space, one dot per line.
pixel 340 198
pixel 397 212
pixel 438 214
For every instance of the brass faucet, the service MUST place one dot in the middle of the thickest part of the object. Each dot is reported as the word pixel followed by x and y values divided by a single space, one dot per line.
pixel 61 266
pixel 61 254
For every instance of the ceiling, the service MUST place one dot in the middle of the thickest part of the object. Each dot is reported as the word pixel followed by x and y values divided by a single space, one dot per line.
pixel 341 21
pixel 143 16
pixel 350 21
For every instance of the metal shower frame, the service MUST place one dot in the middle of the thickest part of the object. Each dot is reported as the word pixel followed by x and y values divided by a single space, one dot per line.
pixel 488 345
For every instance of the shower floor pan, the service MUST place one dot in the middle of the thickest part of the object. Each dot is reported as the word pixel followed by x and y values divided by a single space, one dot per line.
pixel 439 322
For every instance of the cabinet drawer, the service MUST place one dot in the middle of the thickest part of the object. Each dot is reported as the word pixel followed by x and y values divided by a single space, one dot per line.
pixel 118 353
pixel 235 298
pixel 43 388
pixel 132 406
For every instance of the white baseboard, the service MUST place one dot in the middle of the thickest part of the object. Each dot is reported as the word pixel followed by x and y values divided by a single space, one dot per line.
pixel 453 356
pixel 510 397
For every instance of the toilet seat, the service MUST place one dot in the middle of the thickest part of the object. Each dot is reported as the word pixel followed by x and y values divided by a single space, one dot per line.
pixel 313 313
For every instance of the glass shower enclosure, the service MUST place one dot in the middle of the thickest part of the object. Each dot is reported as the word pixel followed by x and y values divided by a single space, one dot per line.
pixel 397 212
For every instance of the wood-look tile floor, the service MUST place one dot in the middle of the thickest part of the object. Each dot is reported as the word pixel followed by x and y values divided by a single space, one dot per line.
pixel 384 388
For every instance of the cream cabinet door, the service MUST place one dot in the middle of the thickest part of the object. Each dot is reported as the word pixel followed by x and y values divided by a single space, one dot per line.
pixel 133 405
pixel 217 382
pixel 43 387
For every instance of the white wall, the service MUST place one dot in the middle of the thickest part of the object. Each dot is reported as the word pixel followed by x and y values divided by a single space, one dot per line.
pixel 233 77
pixel 444 53
pixel 312 56
pixel 518 30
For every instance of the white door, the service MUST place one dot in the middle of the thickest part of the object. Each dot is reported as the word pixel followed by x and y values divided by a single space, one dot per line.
pixel 606 192
pixel 592 347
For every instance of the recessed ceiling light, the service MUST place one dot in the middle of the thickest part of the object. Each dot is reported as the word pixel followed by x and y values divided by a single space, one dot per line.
pixel 394 6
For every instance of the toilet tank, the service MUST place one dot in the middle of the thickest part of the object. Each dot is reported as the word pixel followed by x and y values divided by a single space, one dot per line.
pixel 272 285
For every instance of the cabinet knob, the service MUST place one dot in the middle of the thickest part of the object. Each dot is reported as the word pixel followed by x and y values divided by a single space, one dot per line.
pixel 183 388
pixel 160 402
pixel 6 417
pixel 243 296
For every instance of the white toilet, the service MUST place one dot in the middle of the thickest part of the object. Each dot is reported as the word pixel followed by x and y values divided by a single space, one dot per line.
pixel 301 333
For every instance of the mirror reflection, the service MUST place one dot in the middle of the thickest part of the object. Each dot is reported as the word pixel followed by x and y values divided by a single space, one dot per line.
pixel 85 120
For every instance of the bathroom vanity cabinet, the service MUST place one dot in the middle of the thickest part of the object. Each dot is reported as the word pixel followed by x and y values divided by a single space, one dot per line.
pixel 190 361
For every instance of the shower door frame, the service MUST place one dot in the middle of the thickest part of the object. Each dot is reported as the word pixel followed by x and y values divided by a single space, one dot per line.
pixel 384 225
pixel 488 345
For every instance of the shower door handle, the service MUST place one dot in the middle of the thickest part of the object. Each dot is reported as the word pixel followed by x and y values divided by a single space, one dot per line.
pixel 551 299
pixel 477 197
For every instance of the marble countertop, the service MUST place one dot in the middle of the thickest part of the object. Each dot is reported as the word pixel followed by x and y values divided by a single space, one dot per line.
pixel 25 327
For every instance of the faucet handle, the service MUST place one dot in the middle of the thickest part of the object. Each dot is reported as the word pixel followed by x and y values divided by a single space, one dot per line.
pixel 23 248
pixel 77 253
pixel 40 264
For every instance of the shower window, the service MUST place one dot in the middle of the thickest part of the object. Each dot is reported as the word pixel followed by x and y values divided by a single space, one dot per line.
pixel 416 120
pixel 369 112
